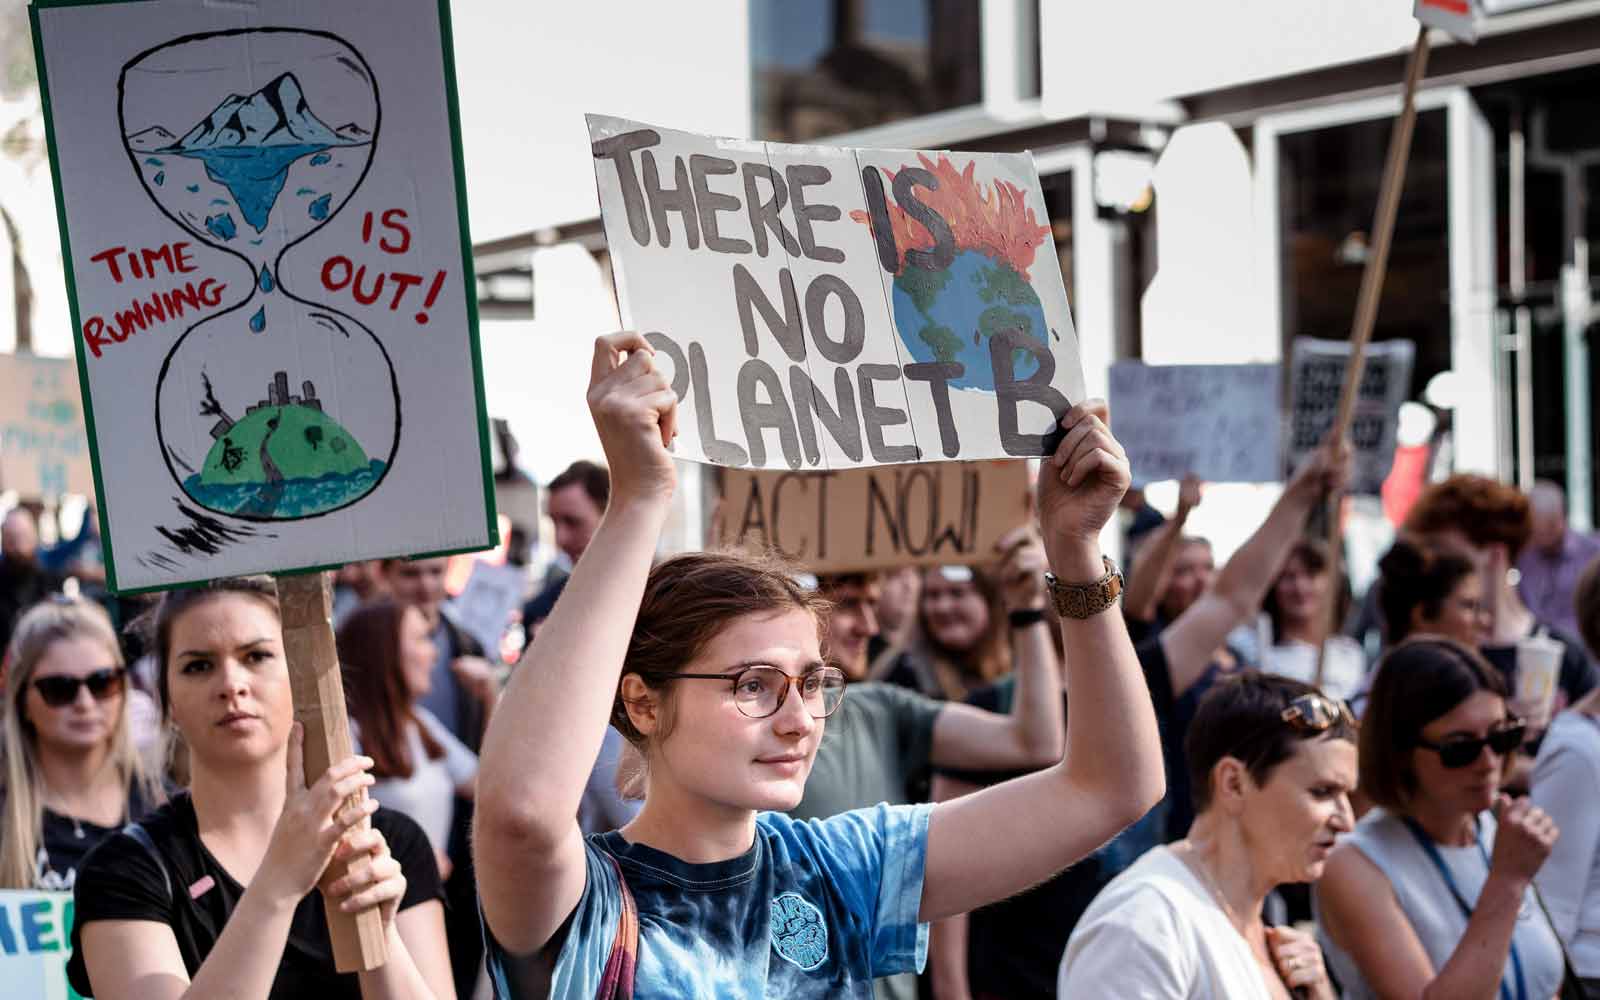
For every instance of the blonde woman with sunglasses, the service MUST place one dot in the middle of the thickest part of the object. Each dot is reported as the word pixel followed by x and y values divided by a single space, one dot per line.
pixel 72 773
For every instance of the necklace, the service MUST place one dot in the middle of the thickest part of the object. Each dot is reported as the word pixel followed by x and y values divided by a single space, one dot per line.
pixel 1191 857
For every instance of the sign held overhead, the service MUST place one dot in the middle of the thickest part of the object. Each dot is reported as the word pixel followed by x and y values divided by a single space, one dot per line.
pixel 1218 422
pixel 270 277
pixel 828 308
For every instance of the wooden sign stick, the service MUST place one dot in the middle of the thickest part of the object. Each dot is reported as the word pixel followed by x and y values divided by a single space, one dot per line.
pixel 1394 175
pixel 306 609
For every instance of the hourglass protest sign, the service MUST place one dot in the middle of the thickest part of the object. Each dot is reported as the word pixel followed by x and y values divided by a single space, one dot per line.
pixel 268 264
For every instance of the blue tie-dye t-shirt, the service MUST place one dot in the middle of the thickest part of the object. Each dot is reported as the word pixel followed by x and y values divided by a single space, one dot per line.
pixel 813 909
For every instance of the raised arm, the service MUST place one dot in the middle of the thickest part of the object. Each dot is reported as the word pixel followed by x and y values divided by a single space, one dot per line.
pixel 947 939
pixel 998 841
pixel 1156 557
pixel 1361 914
pixel 1031 735
pixel 546 734
pixel 1238 590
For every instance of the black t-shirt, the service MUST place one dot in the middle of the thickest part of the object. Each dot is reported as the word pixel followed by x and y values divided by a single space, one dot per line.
pixel 1578 675
pixel 123 880
pixel 1015 945
pixel 65 842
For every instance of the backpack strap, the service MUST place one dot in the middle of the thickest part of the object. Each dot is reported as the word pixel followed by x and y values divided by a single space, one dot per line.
pixel 616 982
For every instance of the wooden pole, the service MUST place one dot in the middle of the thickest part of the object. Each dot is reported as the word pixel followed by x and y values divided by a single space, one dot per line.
pixel 306 609
pixel 1394 175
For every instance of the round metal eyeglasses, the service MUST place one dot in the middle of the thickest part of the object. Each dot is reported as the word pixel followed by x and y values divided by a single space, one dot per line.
pixel 760 691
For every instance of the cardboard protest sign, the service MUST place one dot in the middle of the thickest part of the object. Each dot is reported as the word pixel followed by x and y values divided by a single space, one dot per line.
pixel 1316 376
pixel 828 308
pixel 35 943
pixel 1218 422
pixel 863 519
pixel 268 264
pixel 44 451
pixel 1458 17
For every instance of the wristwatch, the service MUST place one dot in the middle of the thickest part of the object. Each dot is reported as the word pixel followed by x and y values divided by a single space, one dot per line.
pixel 1085 600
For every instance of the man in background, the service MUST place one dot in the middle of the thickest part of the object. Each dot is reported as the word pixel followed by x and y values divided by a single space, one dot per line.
pixel 1554 559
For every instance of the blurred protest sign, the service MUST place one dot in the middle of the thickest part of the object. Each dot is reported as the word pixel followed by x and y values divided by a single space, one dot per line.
pixel 35 943
pixel 864 519
pixel 1458 17
pixel 1317 374
pixel 485 604
pixel 1217 422
pixel 826 308
pixel 260 288
pixel 44 451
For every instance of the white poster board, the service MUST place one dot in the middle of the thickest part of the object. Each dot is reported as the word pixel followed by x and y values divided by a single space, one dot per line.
pixel 270 277
pixel 485 604
pixel 44 450
pixel 1218 422
pixel 1458 17
pixel 35 943
pixel 824 308
pixel 1316 373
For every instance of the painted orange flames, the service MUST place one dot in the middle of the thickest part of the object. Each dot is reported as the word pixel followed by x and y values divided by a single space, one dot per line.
pixel 997 222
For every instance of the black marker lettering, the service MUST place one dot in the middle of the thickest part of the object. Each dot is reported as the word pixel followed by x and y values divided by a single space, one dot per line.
pixel 938 375
pixel 842 424
pixel 848 346
pixel 944 241
pixel 800 175
pixel 711 202
pixel 764 215
pixel 878 417
pixel 787 329
pixel 1036 388
pixel 760 415
pixel 619 150
pixel 662 200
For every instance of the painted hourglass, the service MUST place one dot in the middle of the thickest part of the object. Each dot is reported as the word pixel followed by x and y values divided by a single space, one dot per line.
pixel 276 407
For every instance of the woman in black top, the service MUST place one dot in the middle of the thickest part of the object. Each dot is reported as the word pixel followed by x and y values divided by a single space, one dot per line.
pixel 214 894
pixel 72 774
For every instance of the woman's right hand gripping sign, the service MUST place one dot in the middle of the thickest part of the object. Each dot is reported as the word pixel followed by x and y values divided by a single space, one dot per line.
pixel 635 412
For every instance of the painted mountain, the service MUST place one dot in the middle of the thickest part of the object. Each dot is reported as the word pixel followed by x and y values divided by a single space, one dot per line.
pixel 248 143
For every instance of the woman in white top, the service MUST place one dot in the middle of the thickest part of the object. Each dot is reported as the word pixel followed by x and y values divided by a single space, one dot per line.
pixel 1432 895
pixel 1271 762
pixel 1564 781
pixel 387 653
pixel 1295 620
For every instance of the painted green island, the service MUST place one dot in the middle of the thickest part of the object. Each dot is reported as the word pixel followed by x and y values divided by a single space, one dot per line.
pixel 285 458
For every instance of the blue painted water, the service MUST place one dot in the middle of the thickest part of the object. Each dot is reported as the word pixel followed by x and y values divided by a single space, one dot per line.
pixel 319 208
pixel 265 282
pixel 192 188
pixel 254 175
pixel 258 322
pixel 152 161
pixel 160 178
pixel 320 159
pixel 221 226
pixel 292 497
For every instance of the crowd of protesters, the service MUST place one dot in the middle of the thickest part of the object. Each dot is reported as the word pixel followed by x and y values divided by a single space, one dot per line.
pixel 711 775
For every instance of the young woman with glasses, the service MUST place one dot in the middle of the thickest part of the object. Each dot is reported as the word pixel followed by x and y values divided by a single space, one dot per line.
pixel 72 773
pixel 712 665
pixel 1432 896
pixel 1271 761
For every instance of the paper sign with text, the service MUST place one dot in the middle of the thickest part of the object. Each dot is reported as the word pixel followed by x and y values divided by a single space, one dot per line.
pixel 825 308
pixel 35 943
pixel 485 605
pixel 863 519
pixel 1458 17
pixel 1316 374
pixel 44 451
pixel 1218 422
pixel 270 278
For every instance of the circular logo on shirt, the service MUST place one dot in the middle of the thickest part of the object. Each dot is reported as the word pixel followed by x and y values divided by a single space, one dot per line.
pixel 798 932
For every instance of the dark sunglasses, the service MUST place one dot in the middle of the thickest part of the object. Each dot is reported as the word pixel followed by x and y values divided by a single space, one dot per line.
pixel 61 690
pixel 1463 751
pixel 1317 713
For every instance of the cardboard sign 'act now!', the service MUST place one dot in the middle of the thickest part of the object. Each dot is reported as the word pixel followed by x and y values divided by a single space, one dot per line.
pixel 865 519
pixel 828 308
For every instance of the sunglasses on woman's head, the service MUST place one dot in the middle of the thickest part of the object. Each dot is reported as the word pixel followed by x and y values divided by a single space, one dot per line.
pixel 1316 713
pixel 61 690
pixel 1462 751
